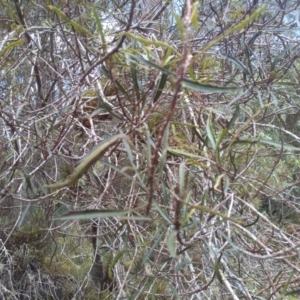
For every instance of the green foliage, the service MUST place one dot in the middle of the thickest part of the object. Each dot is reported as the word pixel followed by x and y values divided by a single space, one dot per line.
pixel 174 133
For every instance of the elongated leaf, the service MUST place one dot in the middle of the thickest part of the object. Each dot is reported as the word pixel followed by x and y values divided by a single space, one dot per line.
pixel 182 177
pixel 179 152
pixel 74 24
pixel 23 215
pixel 195 15
pixel 221 136
pixel 100 29
pixel 162 213
pixel 163 157
pixel 179 25
pixel 258 12
pixel 235 116
pixel 157 239
pixel 11 45
pixel 90 214
pixel 86 163
pixel 247 53
pixel 114 262
pixel 190 84
pixel 275 100
pixel 235 61
pixel 208 88
pixel 287 285
pixel 106 106
pixel 171 243
pixel 119 86
pixel 212 212
pixel 278 145
pixel 151 42
pixel 217 272
pixel 161 86
pixel 210 133
pixel 279 56
pixel 174 291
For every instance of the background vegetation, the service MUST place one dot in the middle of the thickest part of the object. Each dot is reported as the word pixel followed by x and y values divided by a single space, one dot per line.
pixel 149 149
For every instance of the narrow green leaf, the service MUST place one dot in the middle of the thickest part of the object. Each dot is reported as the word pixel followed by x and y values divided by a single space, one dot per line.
pixel 181 176
pixel 74 24
pixel 162 83
pixel 292 293
pixel 157 239
pixel 179 25
pixel 221 136
pixel 212 212
pixel 171 243
pixel 232 160
pixel 235 116
pixel 179 152
pixel 23 215
pixel 167 57
pixel 235 61
pixel 133 67
pixel 190 84
pixel 279 56
pixel 174 291
pixel 164 151
pixel 100 29
pixel 129 154
pixel 119 86
pixel 106 108
pixel 217 272
pixel 162 213
pixel 247 53
pixel 278 145
pixel 210 133
pixel 257 13
pixel 11 45
pixel 148 144
pixel 86 163
pixel 195 15
pixel 208 88
pixel 151 42
pixel 287 284
pixel 238 97
pixel 114 262
pixel 275 100
pixel 90 214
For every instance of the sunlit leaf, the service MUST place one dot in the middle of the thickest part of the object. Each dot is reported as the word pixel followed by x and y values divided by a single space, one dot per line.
pixel 11 45
pixel 195 15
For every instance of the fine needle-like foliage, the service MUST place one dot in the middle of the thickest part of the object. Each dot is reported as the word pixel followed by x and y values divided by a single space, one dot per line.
pixel 149 149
